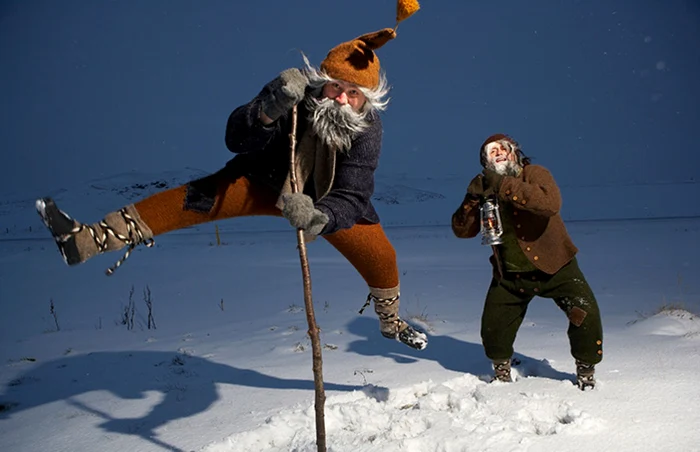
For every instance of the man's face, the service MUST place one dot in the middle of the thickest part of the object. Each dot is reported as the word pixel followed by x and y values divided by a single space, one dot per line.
pixel 344 93
pixel 501 158
pixel 336 116
pixel 498 152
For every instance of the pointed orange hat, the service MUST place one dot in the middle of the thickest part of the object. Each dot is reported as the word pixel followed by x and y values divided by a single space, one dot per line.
pixel 355 61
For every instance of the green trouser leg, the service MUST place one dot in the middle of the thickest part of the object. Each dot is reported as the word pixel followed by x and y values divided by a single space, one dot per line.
pixel 571 292
pixel 507 301
pixel 504 311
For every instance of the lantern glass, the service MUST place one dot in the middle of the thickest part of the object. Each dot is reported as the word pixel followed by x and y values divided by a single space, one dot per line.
pixel 491 225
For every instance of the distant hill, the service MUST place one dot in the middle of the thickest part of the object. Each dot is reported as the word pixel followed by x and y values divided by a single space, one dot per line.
pixel 400 200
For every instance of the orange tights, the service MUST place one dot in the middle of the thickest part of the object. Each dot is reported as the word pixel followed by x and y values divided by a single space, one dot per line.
pixel 365 246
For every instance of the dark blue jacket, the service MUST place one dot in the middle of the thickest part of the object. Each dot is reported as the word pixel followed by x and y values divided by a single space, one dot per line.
pixel 263 157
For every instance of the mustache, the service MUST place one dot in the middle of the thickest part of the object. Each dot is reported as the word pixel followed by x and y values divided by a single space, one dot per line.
pixel 507 168
pixel 336 125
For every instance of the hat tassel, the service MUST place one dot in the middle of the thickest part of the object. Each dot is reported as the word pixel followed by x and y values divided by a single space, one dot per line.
pixel 404 10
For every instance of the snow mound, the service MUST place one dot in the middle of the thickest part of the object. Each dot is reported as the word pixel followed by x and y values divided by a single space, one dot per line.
pixel 673 322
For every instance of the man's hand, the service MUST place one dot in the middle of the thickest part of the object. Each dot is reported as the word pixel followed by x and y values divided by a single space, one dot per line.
pixel 476 186
pixel 492 181
pixel 282 93
pixel 475 190
pixel 299 209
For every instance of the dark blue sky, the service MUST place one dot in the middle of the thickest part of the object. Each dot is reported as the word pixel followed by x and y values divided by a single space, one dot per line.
pixel 599 91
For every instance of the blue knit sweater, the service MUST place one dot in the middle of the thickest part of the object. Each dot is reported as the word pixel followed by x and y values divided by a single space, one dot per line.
pixel 263 157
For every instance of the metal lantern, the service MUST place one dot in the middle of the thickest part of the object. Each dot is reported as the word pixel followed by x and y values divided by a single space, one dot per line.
pixel 491 225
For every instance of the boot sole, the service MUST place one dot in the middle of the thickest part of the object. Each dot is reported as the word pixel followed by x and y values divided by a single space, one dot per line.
pixel 416 340
pixel 41 210
pixel 46 208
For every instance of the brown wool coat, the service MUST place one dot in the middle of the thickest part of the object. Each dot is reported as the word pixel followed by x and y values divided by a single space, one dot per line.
pixel 540 229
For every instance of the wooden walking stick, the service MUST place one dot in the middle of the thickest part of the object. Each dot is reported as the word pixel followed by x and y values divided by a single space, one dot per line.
pixel 308 303
pixel 404 9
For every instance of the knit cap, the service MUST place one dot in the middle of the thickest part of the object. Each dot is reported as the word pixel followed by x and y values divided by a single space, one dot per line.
pixel 355 61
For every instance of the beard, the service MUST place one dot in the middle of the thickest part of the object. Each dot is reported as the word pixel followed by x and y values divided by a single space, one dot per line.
pixel 507 168
pixel 336 125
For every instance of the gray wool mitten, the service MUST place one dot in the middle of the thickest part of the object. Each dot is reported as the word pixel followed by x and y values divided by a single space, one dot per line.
pixel 282 93
pixel 299 209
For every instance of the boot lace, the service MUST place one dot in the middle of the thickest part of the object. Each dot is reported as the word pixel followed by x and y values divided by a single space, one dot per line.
pixel 501 371
pixel 384 317
pixel 99 235
pixel 585 375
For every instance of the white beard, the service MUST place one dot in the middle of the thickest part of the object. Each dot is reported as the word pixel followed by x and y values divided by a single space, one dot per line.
pixel 507 168
pixel 336 125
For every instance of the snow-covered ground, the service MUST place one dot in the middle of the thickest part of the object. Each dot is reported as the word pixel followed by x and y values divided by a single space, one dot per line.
pixel 228 367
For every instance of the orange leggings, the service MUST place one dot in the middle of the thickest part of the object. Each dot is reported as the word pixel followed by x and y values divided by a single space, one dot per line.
pixel 365 246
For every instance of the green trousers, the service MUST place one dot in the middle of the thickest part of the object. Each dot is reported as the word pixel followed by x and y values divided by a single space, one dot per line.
pixel 508 298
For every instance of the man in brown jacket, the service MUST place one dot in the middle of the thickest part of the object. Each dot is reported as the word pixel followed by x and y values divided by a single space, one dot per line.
pixel 536 258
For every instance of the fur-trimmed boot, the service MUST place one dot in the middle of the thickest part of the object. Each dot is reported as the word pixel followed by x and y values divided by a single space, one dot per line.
pixel 501 371
pixel 386 306
pixel 585 375
pixel 78 242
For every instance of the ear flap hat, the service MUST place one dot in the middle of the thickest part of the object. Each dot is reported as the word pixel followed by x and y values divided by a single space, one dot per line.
pixel 523 160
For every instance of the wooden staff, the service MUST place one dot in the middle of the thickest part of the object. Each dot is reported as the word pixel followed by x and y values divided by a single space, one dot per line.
pixel 308 303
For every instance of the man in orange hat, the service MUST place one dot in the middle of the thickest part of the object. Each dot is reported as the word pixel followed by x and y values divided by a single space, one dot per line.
pixel 339 140
pixel 536 257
